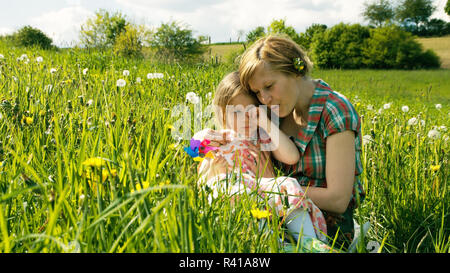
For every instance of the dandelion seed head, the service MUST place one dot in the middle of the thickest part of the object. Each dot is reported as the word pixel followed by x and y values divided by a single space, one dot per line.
pixel 438 106
pixel 434 134
pixel 39 59
pixel 126 73
pixel 405 108
pixel 121 83
pixel 192 98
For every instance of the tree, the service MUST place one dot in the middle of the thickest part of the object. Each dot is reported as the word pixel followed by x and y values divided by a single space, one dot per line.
pixel 447 8
pixel 378 12
pixel 102 30
pixel 417 11
pixel 307 37
pixel 129 42
pixel 392 47
pixel 279 27
pixel 255 34
pixel 29 36
pixel 174 41
pixel 340 46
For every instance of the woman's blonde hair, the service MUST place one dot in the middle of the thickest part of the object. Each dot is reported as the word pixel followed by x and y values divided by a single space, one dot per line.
pixel 228 88
pixel 279 53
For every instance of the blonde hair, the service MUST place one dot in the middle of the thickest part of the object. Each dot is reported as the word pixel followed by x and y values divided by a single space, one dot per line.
pixel 228 88
pixel 278 52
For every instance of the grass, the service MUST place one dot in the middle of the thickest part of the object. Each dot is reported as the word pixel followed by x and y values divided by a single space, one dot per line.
pixel 441 45
pixel 142 196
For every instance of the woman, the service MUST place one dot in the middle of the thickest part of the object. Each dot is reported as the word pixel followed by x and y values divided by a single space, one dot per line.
pixel 323 124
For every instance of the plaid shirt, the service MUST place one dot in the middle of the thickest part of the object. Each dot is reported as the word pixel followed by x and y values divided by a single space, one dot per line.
pixel 329 113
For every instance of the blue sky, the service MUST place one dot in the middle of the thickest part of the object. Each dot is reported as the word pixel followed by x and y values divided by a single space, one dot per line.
pixel 221 19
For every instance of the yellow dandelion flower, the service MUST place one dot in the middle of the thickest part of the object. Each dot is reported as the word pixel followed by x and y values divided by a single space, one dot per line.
pixel 95 162
pixel 173 146
pixel 27 120
pixel 170 126
pixel 435 168
pixel 145 184
pixel 258 214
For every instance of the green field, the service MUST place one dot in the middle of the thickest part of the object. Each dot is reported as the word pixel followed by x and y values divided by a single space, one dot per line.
pixel 142 196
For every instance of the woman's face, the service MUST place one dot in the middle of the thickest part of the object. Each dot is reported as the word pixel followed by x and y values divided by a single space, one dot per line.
pixel 237 116
pixel 274 88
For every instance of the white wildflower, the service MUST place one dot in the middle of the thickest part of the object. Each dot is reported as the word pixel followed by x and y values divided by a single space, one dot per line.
pixel 23 57
pixel 412 121
pixel 387 106
pixel 121 83
pixel 39 59
pixel 438 106
pixel 155 76
pixel 422 122
pixel 126 73
pixel 1 56
pixel 443 128
pixel 434 134
pixel 405 108
pixel 192 98
pixel 366 139
pixel 370 107
pixel 53 70
pixel 90 102
pixel 85 71
pixel 138 80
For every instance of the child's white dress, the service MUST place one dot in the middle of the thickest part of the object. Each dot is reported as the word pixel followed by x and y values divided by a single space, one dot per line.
pixel 283 193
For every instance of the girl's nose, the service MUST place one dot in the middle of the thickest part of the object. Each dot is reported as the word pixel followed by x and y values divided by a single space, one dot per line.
pixel 265 97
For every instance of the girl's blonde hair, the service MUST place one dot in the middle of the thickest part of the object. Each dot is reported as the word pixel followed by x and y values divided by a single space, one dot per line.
pixel 278 52
pixel 228 88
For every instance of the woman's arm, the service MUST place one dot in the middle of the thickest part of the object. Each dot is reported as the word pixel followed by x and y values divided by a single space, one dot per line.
pixel 284 149
pixel 340 174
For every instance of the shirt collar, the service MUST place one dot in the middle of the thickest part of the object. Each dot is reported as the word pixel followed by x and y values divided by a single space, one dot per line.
pixel 318 101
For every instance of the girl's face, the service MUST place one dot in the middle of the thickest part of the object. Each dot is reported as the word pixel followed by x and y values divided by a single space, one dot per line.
pixel 237 115
pixel 274 88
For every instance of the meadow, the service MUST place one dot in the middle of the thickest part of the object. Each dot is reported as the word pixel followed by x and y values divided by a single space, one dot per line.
pixel 88 162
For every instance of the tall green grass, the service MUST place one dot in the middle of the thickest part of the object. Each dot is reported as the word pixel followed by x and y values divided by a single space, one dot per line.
pixel 145 199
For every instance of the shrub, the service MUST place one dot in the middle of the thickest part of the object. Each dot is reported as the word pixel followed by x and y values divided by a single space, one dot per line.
pixel 129 43
pixel 306 38
pixel 29 36
pixel 102 30
pixel 392 47
pixel 340 46
pixel 173 41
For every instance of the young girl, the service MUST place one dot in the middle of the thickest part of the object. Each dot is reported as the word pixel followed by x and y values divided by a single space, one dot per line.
pixel 301 215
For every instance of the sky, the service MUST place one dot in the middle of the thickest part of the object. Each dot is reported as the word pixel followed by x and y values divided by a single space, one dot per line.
pixel 221 19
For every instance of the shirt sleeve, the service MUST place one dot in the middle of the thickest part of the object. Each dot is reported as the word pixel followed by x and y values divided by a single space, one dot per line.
pixel 339 115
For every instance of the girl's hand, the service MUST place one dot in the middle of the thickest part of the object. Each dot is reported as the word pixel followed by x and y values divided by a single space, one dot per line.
pixel 262 158
pixel 217 138
pixel 217 166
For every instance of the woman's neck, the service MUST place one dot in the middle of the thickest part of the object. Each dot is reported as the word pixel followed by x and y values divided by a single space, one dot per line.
pixel 306 88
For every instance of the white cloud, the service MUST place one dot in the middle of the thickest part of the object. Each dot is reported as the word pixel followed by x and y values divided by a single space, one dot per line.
pixel 62 25
pixel 6 30
pixel 223 19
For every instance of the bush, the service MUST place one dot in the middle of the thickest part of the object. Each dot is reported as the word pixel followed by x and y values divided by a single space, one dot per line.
pixel 29 36
pixel 340 46
pixel 174 42
pixel 306 38
pixel 102 30
pixel 129 43
pixel 392 47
